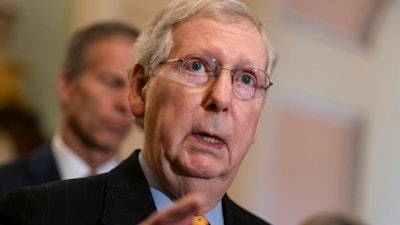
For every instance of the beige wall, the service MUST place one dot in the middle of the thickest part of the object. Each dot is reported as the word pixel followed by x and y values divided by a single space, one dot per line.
pixel 364 80
pixel 344 76
pixel 39 40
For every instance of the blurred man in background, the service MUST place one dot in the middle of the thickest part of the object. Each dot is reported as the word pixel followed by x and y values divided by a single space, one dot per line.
pixel 93 92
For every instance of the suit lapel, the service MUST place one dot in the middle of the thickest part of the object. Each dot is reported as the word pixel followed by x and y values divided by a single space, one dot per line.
pixel 234 214
pixel 228 211
pixel 128 199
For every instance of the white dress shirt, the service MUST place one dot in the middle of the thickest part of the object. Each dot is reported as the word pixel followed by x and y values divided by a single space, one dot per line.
pixel 70 165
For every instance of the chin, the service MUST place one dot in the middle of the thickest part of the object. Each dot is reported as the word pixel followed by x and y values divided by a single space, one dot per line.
pixel 204 172
pixel 108 146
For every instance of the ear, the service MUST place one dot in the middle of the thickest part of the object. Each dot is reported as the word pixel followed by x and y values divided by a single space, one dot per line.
pixel 137 94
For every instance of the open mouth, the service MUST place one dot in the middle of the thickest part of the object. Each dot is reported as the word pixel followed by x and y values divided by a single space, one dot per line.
pixel 212 139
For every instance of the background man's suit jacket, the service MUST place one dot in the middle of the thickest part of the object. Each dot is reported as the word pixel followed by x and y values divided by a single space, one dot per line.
pixel 38 168
pixel 121 196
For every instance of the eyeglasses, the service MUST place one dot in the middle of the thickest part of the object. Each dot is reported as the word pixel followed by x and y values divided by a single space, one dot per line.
pixel 199 69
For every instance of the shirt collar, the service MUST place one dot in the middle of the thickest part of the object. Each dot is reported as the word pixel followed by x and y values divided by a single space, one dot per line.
pixel 164 198
pixel 70 165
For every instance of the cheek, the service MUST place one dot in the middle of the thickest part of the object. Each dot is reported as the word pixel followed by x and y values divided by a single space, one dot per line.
pixel 247 125
pixel 87 104
pixel 166 101
pixel 168 112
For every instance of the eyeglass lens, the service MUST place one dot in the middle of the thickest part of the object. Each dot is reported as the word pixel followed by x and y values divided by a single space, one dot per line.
pixel 198 69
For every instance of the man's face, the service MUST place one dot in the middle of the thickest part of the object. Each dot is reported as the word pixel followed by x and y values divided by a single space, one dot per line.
pixel 96 108
pixel 203 132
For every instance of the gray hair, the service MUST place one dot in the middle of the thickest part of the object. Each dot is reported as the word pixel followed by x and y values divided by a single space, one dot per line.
pixel 156 41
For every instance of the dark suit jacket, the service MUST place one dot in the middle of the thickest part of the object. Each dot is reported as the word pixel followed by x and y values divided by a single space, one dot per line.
pixel 121 196
pixel 38 168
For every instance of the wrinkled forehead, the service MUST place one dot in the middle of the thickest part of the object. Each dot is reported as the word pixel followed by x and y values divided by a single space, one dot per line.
pixel 211 35
pixel 225 17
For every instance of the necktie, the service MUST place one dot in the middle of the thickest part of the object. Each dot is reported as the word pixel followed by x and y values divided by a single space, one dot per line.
pixel 200 220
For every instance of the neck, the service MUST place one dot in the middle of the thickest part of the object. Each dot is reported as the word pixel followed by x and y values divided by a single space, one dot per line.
pixel 211 189
pixel 93 156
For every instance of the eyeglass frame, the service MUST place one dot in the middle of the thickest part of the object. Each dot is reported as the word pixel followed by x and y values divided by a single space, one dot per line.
pixel 233 73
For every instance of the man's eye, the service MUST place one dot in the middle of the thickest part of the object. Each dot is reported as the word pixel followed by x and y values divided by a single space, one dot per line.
pixel 195 66
pixel 112 81
pixel 247 79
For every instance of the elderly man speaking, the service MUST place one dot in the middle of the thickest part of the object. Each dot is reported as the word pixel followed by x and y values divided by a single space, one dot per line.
pixel 199 81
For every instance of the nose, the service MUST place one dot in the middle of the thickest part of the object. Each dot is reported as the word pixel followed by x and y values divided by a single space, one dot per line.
pixel 220 93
